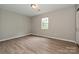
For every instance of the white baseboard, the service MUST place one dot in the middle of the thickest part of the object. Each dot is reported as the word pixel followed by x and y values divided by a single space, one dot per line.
pixel 64 39
pixel 36 35
pixel 55 38
pixel 15 37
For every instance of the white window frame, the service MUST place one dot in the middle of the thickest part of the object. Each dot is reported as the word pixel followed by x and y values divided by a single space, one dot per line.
pixel 44 23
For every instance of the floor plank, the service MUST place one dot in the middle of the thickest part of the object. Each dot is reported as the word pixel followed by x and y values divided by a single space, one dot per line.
pixel 37 45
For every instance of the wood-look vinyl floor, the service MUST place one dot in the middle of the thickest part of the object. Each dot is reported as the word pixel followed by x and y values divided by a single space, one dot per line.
pixel 37 45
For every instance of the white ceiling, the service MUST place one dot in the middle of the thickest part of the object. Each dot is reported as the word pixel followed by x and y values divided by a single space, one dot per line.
pixel 25 9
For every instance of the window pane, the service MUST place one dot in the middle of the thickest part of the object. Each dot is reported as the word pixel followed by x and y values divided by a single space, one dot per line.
pixel 44 23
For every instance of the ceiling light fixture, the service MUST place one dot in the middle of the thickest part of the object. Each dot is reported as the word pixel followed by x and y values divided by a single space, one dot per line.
pixel 35 7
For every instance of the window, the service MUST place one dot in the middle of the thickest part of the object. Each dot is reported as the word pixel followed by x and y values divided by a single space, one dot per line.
pixel 44 23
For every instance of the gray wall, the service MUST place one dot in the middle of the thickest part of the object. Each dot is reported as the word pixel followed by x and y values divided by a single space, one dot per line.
pixel 0 23
pixel 77 25
pixel 13 24
pixel 61 24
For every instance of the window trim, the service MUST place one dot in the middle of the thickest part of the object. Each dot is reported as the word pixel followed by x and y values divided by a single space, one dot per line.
pixel 44 23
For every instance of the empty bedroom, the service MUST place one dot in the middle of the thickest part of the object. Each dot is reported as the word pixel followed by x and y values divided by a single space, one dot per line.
pixel 39 28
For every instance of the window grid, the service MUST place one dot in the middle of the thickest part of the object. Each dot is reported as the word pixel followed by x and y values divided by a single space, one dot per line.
pixel 44 23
